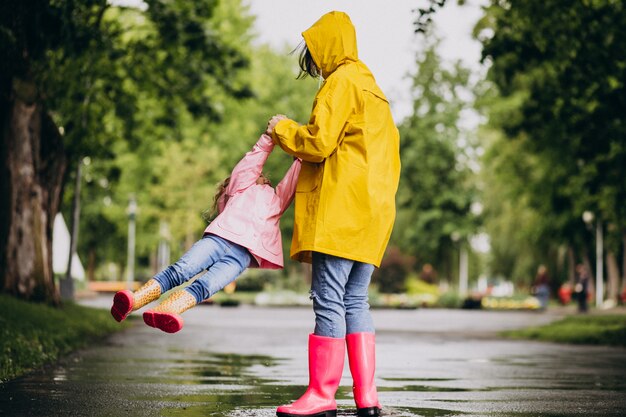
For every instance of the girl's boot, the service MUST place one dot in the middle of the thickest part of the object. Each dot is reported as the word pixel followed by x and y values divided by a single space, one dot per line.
pixel 362 359
pixel 326 358
pixel 166 316
pixel 126 301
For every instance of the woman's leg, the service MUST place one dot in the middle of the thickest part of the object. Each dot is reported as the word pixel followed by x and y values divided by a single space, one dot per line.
pixel 201 256
pixel 358 317
pixel 328 287
pixel 327 346
pixel 360 340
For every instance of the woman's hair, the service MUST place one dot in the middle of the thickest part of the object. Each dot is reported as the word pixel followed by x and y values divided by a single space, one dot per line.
pixel 307 65
pixel 209 213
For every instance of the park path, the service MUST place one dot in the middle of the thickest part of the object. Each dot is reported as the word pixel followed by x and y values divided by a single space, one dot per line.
pixel 244 361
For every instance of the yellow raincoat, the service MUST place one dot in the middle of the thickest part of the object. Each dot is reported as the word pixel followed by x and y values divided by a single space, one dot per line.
pixel 345 197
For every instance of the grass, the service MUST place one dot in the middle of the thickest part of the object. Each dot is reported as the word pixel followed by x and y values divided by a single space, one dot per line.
pixel 584 329
pixel 32 335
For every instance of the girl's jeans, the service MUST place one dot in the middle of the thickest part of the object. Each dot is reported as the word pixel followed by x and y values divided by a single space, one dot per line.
pixel 224 261
pixel 339 293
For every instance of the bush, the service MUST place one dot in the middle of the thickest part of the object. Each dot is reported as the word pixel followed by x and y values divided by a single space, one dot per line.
pixel 393 272
pixel 34 334
pixel 450 299
pixel 255 280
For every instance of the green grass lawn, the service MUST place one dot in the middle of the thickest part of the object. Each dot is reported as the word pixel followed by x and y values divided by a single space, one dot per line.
pixel 583 329
pixel 32 335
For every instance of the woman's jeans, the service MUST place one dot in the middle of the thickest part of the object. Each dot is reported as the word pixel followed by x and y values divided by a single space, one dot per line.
pixel 339 294
pixel 224 261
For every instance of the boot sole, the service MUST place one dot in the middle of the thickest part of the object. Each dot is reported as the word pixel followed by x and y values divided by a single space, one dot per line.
pixel 167 322
pixel 368 412
pixel 328 413
pixel 122 305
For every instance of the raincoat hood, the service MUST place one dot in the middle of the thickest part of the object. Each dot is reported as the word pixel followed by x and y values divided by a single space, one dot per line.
pixel 331 41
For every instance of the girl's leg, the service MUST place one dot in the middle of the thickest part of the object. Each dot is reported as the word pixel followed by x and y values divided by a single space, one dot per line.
pixel 201 256
pixel 235 259
pixel 233 262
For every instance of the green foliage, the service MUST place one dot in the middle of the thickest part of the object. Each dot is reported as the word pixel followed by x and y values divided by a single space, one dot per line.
pixel 591 330
pixel 32 335
pixel 559 104
pixel 435 192
pixel 255 280
pixel 450 299
pixel 417 286
pixel 179 155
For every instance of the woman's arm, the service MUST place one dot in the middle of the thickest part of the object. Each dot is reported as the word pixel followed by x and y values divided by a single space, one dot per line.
pixel 318 139
pixel 248 170
pixel 286 188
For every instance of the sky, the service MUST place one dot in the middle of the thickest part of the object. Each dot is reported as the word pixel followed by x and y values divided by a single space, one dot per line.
pixel 385 35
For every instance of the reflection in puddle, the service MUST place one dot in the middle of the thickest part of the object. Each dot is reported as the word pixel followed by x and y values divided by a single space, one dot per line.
pixel 194 383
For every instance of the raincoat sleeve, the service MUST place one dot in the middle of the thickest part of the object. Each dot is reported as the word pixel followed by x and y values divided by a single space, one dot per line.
pixel 248 170
pixel 286 188
pixel 318 139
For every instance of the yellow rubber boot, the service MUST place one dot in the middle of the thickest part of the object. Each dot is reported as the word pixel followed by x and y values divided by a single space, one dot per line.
pixel 126 301
pixel 166 316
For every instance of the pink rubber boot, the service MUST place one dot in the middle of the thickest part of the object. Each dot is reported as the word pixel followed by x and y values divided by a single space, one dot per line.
pixel 166 316
pixel 362 359
pixel 124 302
pixel 326 358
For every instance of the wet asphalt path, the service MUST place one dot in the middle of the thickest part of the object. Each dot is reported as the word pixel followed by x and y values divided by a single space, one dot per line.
pixel 245 361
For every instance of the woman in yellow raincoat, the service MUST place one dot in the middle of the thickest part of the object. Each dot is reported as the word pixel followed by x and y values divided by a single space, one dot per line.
pixel 344 210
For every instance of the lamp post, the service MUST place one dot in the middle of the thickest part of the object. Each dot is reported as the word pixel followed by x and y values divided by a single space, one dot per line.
pixel 463 264
pixel 588 219
pixel 130 262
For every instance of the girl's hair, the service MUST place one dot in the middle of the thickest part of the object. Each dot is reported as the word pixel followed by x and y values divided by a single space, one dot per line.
pixel 307 65
pixel 209 213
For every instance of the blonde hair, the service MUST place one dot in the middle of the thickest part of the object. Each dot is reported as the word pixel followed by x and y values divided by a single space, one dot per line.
pixel 209 213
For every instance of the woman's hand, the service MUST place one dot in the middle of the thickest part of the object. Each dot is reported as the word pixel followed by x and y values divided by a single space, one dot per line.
pixel 271 124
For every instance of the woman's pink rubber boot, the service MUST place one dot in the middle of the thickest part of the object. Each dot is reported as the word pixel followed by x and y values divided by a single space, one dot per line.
pixel 326 359
pixel 362 359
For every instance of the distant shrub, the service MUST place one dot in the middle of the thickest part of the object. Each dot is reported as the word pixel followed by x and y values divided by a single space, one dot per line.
pixel 393 272
pixel 255 280
pixel 450 299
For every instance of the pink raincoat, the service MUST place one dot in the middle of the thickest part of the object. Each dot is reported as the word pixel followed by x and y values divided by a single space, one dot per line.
pixel 250 212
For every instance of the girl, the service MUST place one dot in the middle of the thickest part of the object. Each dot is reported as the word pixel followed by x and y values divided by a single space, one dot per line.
pixel 245 233
pixel 345 210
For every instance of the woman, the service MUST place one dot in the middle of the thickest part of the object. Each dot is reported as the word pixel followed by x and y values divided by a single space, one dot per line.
pixel 344 210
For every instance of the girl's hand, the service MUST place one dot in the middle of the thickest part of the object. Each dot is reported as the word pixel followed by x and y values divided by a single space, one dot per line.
pixel 273 122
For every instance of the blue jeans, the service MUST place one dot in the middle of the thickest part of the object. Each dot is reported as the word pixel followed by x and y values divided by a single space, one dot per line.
pixel 224 261
pixel 339 294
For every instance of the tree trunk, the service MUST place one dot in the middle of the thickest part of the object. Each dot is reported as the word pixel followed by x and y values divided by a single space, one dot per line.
pixel 571 267
pixel 623 291
pixel 31 184
pixel 91 265
pixel 613 276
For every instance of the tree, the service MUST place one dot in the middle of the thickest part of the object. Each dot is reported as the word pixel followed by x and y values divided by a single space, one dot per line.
pixel 75 76
pixel 435 192
pixel 563 64
pixel 175 180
